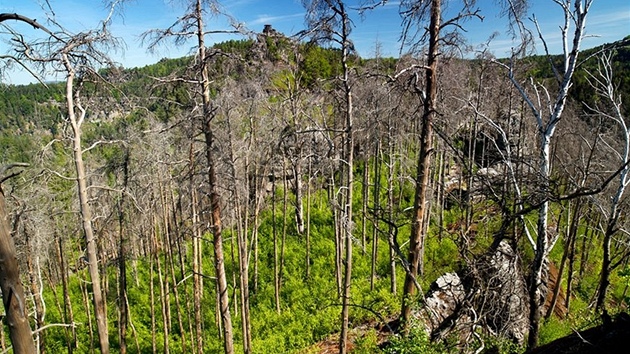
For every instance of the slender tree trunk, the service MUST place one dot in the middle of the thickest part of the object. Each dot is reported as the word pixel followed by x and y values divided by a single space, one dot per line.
pixel 68 313
pixel 181 250
pixel 421 205
pixel 258 197
pixel 558 284
pixel 176 212
pixel 540 265
pixel 213 188
pixel 169 264
pixel 572 222
pixel 88 312
pixel 196 258
pixel 376 206
pixel 438 187
pixel 243 254
pixel 164 272
pixel 571 244
pixel 570 271
pixel 299 198
pixel 196 265
pixel 152 290
pixel 604 279
pixel 86 212
pixel 391 232
pixel 35 277
pixel 283 241
pixel 123 311
pixel 217 311
pixel 308 221
pixel 338 235
pixel 176 293
pixel 244 284
pixel 348 224
pixel 607 87
pixel 164 303
pixel 586 246
pixel 235 301
pixel 276 262
pixel 365 199
pixel 219 259
pixel 3 341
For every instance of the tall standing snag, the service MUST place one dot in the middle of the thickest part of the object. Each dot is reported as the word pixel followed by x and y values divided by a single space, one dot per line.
pixel 215 206
pixel 414 12
pixel 604 85
pixel 547 115
pixel 421 204
pixel 86 212
pixel 329 20
pixel 189 26
pixel 75 55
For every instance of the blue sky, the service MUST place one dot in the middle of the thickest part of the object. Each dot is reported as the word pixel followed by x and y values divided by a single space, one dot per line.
pixel 609 20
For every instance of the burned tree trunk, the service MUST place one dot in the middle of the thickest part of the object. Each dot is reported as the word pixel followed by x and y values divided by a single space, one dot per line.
pixel 12 290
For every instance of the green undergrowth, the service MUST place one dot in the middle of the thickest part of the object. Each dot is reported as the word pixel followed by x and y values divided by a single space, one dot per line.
pixel 310 309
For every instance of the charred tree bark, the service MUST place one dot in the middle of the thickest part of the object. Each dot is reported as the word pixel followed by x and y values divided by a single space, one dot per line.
pixel 421 205
pixel 123 311
pixel 12 290
pixel 213 188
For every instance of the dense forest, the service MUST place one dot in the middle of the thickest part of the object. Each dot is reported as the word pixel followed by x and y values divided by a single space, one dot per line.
pixel 278 194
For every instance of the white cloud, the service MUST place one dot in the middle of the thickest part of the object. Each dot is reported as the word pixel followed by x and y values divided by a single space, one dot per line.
pixel 266 19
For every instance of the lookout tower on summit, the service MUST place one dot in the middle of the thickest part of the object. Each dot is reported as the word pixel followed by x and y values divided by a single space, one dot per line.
pixel 270 31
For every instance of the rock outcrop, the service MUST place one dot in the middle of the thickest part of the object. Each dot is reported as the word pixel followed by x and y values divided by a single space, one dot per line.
pixel 488 299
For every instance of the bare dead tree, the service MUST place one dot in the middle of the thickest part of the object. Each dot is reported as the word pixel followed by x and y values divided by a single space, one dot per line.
pixel 414 14
pixel 329 21
pixel 74 55
pixel 605 87
pixel 547 111
pixel 192 25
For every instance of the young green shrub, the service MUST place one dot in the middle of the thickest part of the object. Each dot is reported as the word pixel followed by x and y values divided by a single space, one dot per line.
pixel 366 343
pixel 416 342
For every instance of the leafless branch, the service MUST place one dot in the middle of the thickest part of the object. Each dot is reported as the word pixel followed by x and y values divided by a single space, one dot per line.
pixel 32 22
pixel 101 142
pixel 4 169
pixel 73 324
pixel 20 63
